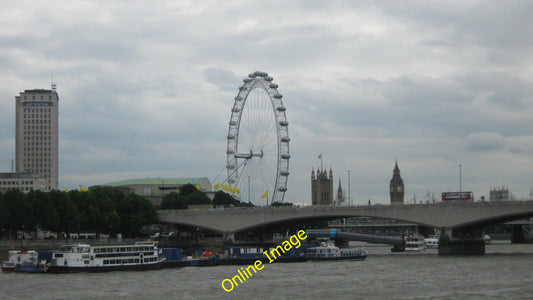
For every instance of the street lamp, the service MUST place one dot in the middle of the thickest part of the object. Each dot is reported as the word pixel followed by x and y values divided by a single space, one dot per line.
pixel 349 195
pixel 460 184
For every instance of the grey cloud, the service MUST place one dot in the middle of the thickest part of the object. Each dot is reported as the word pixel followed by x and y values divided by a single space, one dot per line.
pixel 485 141
pixel 223 79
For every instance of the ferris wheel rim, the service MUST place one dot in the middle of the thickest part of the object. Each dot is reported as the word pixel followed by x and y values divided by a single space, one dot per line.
pixel 260 80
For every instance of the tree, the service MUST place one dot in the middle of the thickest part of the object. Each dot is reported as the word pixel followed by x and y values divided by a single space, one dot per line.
pixel 173 201
pixel 187 189
pixel 69 218
pixel 135 212
pixel 191 195
pixel 109 219
pixel 44 212
pixel 90 215
pixel 114 195
pixel 19 210
pixel 223 198
pixel 4 214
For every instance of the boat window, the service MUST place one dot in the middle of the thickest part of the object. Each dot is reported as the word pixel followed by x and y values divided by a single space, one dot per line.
pixel 106 261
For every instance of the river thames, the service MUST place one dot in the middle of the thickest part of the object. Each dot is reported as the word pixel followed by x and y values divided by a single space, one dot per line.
pixel 505 272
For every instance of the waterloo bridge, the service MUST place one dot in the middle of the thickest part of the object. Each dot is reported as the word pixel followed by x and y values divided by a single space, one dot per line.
pixel 461 224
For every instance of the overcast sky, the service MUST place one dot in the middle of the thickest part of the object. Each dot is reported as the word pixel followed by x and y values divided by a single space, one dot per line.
pixel 146 88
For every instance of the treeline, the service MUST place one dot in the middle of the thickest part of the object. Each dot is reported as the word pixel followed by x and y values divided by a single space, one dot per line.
pixel 98 210
pixel 189 195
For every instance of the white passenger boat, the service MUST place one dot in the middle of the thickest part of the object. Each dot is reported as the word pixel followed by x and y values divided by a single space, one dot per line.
pixel 432 242
pixel 415 243
pixel 328 251
pixel 24 262
pixel 87 258
pixel 487 239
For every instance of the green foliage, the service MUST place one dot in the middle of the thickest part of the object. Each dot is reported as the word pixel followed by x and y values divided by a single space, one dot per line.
pixel 173 201
pixel 223 198
pixel 188 195
pixel 100 210
pixel 20 211
pixel 4 214
pixel 135 212
pixel 69 217
pixel 187 189
pixel 45 214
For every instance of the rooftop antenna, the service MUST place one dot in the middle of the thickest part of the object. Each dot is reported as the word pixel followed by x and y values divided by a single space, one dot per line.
pixel 12 166
pixel 52 84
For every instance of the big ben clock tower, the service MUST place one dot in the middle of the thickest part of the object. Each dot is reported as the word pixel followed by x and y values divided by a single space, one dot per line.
pixel 396 186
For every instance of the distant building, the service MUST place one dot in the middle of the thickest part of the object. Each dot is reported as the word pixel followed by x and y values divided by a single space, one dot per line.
pixel 24 182
pixel 500 194
pixel 154 189
pixel 396 186
pixel 340 195
pixel 36 135
pixel 321 187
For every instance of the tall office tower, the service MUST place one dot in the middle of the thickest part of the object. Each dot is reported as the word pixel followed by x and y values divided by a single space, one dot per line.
pixel 36 127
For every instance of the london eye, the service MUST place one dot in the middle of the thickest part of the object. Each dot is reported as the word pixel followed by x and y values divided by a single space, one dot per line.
pixel 258 142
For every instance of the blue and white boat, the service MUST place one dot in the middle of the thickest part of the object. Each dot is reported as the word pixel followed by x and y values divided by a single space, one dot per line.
pixel 328 251
pixel 24 262
pixel 87 258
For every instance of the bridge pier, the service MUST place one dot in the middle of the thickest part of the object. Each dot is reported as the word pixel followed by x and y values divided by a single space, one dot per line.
pixel 461 241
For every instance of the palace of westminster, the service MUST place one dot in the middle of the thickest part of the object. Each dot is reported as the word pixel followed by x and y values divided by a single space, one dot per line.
pixel 322 188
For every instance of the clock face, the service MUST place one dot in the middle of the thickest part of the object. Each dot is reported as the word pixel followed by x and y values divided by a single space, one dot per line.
pixel 399 189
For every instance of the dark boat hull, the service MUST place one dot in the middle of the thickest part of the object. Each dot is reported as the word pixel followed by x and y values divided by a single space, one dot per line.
pixel 38 268
pixel 139 267
pixel 353 257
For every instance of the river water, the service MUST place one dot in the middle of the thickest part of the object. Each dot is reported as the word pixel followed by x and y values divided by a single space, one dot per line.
pixel 505 272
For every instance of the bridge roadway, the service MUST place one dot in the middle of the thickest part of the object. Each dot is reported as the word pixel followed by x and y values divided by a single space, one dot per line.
pixel 461 224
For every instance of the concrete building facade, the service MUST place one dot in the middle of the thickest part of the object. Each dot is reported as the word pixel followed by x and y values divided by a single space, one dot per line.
pixel 24 182
pixel 36 135
pixel 154 189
